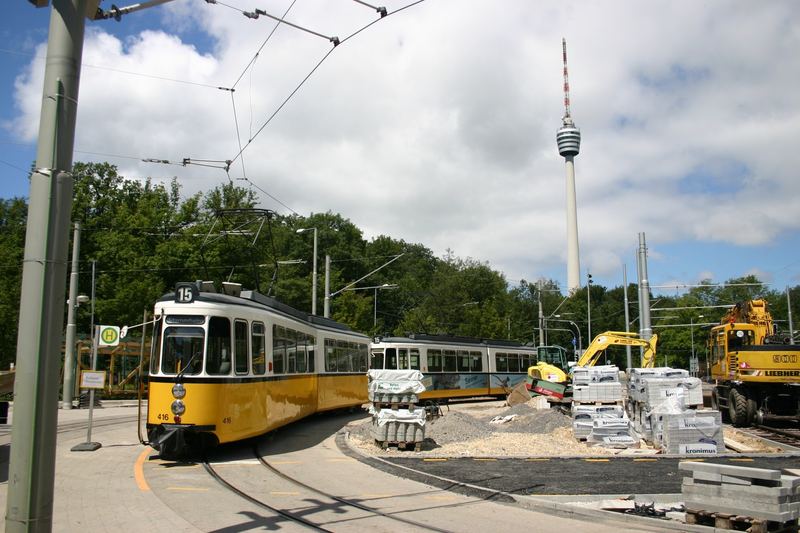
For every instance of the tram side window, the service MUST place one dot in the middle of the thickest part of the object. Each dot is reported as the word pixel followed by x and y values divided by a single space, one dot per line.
pixel 414 359
pixel 278 348
pixel 311 344
pixel 291 351
pixel 434 360
pixel 330 355
pixel 450 364
pixel 363 357
pixel 391 358
pixel 462 360
pixel 513 362
pixel 501 362
pixel 344 357
pixel 376 361
pixel 402 359
pixel 218 351
pixel 301 365
pixel 258 344
pixel 476 364
pixel 240 343
pixel 155 349
pixel 524 362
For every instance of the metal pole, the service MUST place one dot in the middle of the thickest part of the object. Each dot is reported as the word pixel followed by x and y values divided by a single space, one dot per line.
pixel 644 292
pixel 314 278
pixel 29 501
pixel 327 306
pixel 69 341
pixel 691 327
pixel 589 306
pixel 91 391
pixel 627 318
pixel 789 308
pixel 541 315
pixel 375 311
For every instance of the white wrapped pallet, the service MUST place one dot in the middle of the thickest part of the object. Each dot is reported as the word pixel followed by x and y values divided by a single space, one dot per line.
pixel 586 375
pixel 653 391
pixel 598 392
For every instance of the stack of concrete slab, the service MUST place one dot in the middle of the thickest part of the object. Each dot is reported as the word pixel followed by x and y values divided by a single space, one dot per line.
pixel 757 493
pixel 609 427
pixel 690 432
pixel 601 392
pixel 395 417
pixel 598 384
pixel 583 417
pixel 586 375
pixel 653 390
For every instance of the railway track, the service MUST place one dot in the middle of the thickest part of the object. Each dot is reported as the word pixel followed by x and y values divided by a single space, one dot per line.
pixel 321 499
pixel 788 438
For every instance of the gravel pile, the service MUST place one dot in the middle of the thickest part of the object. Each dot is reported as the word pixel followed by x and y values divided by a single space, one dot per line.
pixel 465 430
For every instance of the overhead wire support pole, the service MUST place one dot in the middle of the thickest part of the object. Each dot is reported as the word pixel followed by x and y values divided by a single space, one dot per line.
pixel 31 471
pixel 257 12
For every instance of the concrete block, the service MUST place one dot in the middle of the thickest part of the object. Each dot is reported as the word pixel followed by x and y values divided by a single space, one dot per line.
pixel 740 493
pixel 721 505
pixel 730 470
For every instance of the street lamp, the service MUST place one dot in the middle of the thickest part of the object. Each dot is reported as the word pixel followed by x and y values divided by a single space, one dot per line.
pixel 375 288
pixel 577 330
pixel 589 304
pixel 314 268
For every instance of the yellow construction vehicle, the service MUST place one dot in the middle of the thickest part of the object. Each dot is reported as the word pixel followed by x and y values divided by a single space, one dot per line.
pixel 756 372
pixel 619 338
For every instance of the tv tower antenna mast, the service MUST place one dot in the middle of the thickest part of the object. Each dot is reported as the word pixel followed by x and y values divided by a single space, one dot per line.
pixel 569 144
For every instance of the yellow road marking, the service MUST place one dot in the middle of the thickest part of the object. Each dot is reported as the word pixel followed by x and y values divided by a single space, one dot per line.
pixel 597 460
pixel 188 489
pixel 694 460
pixel 742 459
pixel 138 470
pixel 532 459
pixel 645 460
pixel 434 460
pixel 284 493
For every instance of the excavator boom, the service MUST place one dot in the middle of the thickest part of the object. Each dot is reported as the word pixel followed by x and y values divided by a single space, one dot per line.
pixel 619 338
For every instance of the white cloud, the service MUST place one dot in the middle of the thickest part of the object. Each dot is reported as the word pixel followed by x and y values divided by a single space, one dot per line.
pixel 437 125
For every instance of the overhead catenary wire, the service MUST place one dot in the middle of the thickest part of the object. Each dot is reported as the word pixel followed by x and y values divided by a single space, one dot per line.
pixel 311 72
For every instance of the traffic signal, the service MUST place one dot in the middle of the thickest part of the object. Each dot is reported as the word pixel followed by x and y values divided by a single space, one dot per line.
pixel 589 278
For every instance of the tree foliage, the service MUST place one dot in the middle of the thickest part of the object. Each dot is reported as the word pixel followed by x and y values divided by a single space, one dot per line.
pixel 142 238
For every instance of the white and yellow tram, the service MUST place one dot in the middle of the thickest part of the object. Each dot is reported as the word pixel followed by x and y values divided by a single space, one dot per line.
pixel 456 367
pixel 227 367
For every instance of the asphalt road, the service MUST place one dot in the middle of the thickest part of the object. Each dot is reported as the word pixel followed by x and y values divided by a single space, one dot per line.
pixel 562 476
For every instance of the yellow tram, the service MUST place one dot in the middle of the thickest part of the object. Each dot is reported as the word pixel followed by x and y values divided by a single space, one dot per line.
pixel 233 365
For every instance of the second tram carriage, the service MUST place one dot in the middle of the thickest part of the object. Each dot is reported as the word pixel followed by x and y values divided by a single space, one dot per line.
pixel 456 367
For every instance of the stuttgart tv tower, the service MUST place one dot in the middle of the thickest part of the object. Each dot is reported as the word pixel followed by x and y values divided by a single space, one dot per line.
pixel 569 144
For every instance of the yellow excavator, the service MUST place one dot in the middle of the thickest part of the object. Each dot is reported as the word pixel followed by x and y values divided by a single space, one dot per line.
pixel 545 370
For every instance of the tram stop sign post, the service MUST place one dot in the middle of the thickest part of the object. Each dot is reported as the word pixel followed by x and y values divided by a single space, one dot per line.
pixel 92 379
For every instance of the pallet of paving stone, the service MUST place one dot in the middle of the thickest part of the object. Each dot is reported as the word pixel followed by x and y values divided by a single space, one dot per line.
pixel 585 375
pixel 608 392
pixel 690 432
pixel 757 493
pixel 738 523
pixel 653 392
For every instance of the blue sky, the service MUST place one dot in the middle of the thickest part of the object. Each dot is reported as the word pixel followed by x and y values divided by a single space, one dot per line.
pixel 437 124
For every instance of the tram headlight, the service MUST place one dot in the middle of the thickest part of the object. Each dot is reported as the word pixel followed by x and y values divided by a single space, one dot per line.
pixel 178 391
pixel 178 407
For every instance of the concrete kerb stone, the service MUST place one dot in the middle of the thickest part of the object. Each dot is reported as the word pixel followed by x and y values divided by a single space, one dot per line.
pixel 548 505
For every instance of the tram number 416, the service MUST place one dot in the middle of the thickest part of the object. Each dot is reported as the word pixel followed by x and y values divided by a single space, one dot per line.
pixel 162 416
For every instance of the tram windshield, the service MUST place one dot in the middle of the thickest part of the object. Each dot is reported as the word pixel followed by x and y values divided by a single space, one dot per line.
pixel 183 347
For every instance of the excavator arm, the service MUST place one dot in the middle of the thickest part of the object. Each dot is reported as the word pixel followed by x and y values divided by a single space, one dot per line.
pixel 619 338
